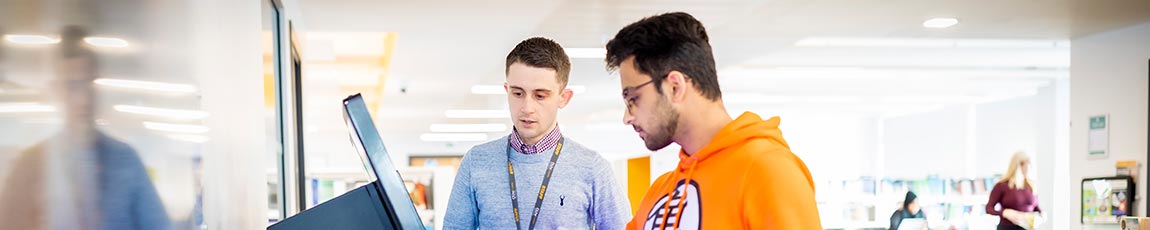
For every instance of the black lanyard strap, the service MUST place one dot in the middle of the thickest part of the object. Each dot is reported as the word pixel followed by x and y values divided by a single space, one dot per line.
pixel 542 188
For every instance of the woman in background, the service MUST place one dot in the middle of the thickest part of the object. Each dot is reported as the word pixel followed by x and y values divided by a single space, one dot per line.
pixel 1015 194
pixel 910 209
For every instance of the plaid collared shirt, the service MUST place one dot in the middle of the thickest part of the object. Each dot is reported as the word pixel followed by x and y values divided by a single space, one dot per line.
pixel 549 141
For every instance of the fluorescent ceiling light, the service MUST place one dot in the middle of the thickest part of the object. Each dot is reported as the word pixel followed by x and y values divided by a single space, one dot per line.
pixel 106 42
pixel 498 89
pixel 930 43
pixel 147 85
pixel 30 39
pixel 940 22
pixel 599 53
pixel 189 138
pixel 468 128
pixel 453 137
pixel 1010 43
pixel 929 99
pixel 160 112
pixel 25 107
pixel 873 42
pixel 176 128
pixel 477 113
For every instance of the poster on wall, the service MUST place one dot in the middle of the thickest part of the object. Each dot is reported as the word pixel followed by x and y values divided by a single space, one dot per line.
pixel 1099 137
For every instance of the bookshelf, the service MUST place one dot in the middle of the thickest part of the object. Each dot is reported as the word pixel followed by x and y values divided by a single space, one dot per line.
pixel 868 202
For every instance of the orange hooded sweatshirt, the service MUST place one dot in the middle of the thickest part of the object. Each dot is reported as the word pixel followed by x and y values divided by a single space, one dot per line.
pixel 745 178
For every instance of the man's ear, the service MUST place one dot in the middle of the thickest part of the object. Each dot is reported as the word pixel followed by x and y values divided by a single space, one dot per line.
pixel 677 83
pixel 565 97
pixel 506 89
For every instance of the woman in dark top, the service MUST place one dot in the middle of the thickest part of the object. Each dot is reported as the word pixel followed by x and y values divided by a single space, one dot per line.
pixel 910 209
pixel 1014 192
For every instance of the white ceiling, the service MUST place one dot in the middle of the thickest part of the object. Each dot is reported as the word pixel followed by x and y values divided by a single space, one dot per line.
pixel 445 47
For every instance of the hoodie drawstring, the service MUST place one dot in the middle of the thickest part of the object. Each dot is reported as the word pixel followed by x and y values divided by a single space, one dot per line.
pixel 671 195
pixel 686 184
pixel 666 205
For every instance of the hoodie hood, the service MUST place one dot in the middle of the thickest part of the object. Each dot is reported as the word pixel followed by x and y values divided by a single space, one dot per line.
pixel 744 128
pixel 748 126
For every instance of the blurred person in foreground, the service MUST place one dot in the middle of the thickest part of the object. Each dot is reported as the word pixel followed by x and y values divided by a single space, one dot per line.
pixel 80 178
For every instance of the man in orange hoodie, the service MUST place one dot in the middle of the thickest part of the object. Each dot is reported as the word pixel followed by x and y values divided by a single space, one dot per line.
pixel 732 174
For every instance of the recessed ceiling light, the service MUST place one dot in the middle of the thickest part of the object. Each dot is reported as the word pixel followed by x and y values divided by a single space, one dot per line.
pixel 147 85
pixel 25 107
pixel 30 39
pixel 106 42
pixel 940 22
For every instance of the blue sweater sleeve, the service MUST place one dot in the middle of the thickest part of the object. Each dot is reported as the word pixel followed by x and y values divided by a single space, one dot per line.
pixel 462 211
pixel 611 209
pixel 143 209
pixel 149 208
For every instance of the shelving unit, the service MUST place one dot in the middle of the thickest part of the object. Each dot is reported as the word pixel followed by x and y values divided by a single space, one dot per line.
pixel 867 203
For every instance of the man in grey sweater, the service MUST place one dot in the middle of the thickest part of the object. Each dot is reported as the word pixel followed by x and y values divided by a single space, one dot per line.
pixel 534 177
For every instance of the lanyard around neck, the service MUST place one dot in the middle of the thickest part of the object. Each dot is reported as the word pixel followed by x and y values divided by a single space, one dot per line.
pixel 542 187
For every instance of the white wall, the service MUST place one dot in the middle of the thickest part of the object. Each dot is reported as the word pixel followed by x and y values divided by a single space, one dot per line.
pixel 976 140
pixel 1108 76
pixel 928 143
pixel 833 147
pixel 226 60
pixel 1004 128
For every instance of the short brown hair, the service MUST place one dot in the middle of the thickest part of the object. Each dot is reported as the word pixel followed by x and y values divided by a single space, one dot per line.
pixel 541 53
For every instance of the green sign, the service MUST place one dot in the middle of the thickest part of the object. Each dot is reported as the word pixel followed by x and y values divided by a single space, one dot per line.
pixel 1098 122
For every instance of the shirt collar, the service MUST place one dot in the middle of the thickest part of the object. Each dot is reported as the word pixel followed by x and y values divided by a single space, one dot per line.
pixel 549 141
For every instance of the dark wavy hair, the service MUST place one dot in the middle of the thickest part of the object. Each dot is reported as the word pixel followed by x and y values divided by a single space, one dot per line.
pixel 662 43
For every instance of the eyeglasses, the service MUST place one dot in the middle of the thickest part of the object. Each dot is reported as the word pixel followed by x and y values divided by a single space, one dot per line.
pixel 631 104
